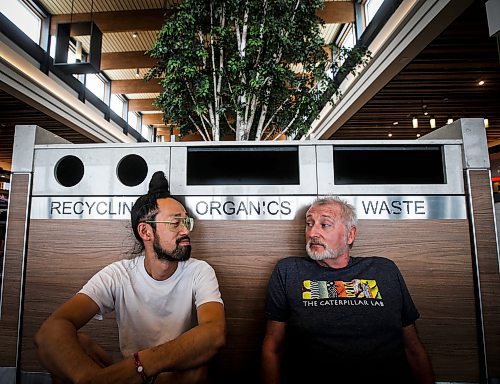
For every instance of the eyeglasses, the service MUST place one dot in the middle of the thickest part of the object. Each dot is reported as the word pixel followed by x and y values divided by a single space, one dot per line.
pixel 175 225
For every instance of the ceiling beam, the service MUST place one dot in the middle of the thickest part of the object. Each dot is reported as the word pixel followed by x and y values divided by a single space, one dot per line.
pixel 119 21
pixel 126 60
pixel 135 86
pixel 153 119
pixel 337 12
pixel 152 19
pixel 136 105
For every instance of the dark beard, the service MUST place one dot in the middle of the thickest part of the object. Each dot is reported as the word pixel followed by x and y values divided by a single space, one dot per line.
pixel 180 253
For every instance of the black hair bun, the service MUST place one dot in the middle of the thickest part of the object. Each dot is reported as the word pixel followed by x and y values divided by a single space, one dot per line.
pixel 159 184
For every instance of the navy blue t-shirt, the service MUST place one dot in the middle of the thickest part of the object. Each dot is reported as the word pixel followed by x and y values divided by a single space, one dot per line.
pixel 346 321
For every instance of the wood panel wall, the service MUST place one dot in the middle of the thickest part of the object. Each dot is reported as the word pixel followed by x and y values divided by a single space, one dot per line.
pixel 433 255
pixel 482 210
pixel 12 269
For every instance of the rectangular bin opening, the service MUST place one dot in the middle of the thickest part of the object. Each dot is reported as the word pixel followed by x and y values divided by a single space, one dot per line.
pixel 388 165
pixel 277 165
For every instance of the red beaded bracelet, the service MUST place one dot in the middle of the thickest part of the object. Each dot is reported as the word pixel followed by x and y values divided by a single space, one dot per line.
pixel 140 368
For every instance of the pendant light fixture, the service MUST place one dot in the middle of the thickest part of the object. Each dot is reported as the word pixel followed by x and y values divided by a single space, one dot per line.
pixel 72 29
pixel 414 122
pixel 432 122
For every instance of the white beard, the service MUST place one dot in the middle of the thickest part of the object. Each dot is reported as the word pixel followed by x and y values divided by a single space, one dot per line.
pixel 327 253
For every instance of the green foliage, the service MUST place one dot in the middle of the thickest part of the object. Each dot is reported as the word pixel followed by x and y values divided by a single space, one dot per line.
pixel 254 68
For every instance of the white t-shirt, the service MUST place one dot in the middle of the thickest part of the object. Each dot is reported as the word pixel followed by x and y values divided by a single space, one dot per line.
pixel 151 312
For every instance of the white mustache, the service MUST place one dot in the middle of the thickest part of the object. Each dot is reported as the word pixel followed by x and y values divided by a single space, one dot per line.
pixel 315 242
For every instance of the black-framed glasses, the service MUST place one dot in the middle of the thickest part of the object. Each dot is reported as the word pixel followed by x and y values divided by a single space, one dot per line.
pixel 175 224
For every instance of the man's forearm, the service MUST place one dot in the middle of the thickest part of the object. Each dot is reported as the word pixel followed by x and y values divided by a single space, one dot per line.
pixel 422 368
pixel 59 351
pixel 416 354
pixel 190 350
pixel 271 365
pixel 272 351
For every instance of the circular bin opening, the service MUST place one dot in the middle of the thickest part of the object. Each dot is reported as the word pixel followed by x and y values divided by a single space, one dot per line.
pixel 69 171
pixel 132 170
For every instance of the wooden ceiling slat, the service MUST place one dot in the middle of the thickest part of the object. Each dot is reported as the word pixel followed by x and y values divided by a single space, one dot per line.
pixel 126 74
pixel 337 12
pixel 125 42
pixel 119 21
pixel 135 86
pixel 57 7
pixel 125 60
pixel 142 105
pixel 134 96
pixel 434 67
pixel 153 119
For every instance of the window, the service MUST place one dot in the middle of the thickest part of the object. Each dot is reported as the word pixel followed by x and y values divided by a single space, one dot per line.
pixel 95 85
pixel 132 120
pixel 371 7
pixel 147 132
pixel 23 17
pixel 116 103
pixel 346 41
pixel 71 50
pixel 71 56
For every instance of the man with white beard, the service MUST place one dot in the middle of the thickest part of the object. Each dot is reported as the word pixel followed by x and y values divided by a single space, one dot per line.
pixel 333 315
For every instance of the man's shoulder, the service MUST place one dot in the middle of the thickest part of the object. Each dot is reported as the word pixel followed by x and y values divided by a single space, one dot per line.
pixel 120 267
pixel 293 261
pixel 126 263
pixel 377 261
pixel 195 264
pixel 192 261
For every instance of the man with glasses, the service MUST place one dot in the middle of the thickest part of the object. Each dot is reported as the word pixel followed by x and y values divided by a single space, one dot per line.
pixel 168 307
